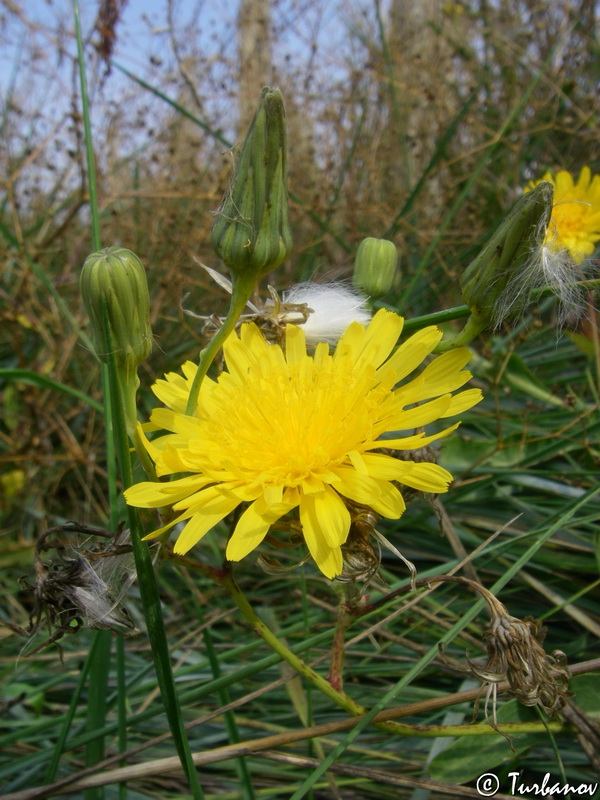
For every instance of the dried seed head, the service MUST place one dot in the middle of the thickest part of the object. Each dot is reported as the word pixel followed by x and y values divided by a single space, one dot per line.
pixel 332 307
pixel 324 310
pixel 82 588
pixel 516 654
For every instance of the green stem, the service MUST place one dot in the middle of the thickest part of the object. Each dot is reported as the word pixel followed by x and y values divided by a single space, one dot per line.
pixel 338 697
pixel 145 573
pixel 128 386
pixel 121 707
pixel 287 655
pixel 473 327
pixel 436 318
pixel 240 294
pixel 342 622
pixel 87 128
pixel 460 312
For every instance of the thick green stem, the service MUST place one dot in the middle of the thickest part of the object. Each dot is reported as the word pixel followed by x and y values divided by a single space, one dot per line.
pixel 128 386
pixel 473 327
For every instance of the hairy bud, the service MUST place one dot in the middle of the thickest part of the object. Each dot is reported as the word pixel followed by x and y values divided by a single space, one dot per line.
pixel 375 266
pixel 115 293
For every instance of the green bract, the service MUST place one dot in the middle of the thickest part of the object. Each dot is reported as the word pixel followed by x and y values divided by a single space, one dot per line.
pixel 251 231
pixel 375 266
pixel 115 292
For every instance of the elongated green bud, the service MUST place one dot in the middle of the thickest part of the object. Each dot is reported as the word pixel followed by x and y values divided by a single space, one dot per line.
pixel 497 283
pixel 115 291
pixel 251 231
pixel 375 266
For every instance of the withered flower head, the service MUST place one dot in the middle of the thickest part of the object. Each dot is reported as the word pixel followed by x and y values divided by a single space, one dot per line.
pixel 515 654
pixel 79 586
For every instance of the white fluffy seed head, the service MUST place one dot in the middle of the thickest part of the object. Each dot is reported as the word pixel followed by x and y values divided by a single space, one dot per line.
pixel 333 307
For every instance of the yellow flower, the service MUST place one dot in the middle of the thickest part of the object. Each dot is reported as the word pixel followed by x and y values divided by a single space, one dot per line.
pixel 575 223
pixel 284 430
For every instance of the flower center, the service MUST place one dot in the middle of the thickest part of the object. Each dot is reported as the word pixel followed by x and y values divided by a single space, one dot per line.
pixel 283 427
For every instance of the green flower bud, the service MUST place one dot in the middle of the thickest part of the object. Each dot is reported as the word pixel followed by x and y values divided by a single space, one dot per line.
pixel 497 283
pixel 114 290
pixel 251 231
pixel 375 266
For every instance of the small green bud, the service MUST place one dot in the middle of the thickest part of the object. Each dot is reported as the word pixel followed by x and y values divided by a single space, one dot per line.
pixel 496 284
pixel 251 231
pixel 375 266
pixel 114 289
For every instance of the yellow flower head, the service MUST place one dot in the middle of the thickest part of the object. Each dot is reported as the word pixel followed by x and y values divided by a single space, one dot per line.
pixel 575 223
pixel 281 430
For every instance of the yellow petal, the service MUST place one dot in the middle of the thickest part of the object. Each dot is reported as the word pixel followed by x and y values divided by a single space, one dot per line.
pixel 160 531
pixel 423 414
pixel 381 336
pixel 426 477
pixel 328 517
pixel 412 352
pixel 201 523
pixel 153 494
pixel 173 391
pixel 328 559
pixel 177 423
pixel 389 502
pixel 358 486
pixel 412 442
pixel 295 344
pixel 387 468
pixel 462 402
pixel 253 526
